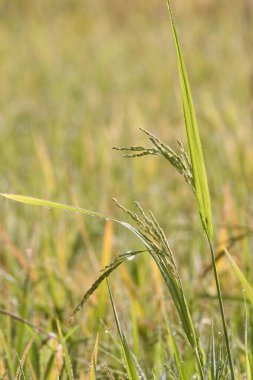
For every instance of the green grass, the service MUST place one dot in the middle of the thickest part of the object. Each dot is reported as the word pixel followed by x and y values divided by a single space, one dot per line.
pixel 77 80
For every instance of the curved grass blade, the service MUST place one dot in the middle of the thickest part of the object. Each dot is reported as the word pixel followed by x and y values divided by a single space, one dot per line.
pixel 194 142
pixel 240 276
pixel 49 204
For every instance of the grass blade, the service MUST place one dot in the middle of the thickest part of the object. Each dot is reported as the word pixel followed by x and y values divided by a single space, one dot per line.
pixel 175 352
pixel 49 204
pixel 94 361
pixel 197 159
pixel 49 367
pixel 105 261
pixel 199 172
pixel 240 276
pixel 23 358
pixel 132 371
pixel 6 349
pixel 66 353
pixel 246 348
pixel 211 364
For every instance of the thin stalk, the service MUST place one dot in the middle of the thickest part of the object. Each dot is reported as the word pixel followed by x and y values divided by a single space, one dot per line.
pixel 38 329
pixel 225 330
pixel 196 351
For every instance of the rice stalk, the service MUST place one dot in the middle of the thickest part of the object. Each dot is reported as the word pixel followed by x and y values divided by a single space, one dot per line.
pixel 199 173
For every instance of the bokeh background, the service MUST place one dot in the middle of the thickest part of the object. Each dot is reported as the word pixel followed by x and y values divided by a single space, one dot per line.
pixel 76 79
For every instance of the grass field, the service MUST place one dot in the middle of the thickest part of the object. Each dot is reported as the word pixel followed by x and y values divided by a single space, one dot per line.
pixel 78 78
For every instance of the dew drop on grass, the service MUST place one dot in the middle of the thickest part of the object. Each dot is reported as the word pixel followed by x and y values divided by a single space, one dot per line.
pixel 106 332
pixel 130 258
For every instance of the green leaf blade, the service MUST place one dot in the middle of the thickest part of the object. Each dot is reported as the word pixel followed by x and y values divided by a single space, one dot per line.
pixel 132 371
pixel 194 142
pixel 240 276
pixel 49 204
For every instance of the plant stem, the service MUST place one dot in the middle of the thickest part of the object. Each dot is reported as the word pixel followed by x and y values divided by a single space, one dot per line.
pixel 38 329
pixel 196 350
pixel 225 330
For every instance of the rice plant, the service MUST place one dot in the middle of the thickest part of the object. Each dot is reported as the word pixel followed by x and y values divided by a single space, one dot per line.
pixel 210 360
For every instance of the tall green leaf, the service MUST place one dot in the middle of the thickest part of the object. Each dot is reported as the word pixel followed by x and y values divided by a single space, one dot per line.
pixel 175 351
pixel 132 371
pixel 197 159
pixel 67 359
pixel 243 280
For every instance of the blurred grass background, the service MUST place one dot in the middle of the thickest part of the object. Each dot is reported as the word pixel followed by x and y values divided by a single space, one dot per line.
pixel 77 78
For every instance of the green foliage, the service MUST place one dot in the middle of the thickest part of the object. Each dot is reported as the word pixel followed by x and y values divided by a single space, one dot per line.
pixel 243 280
pixel 87 75
pixel 197 159
pixel 131 368
pixel 66 353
